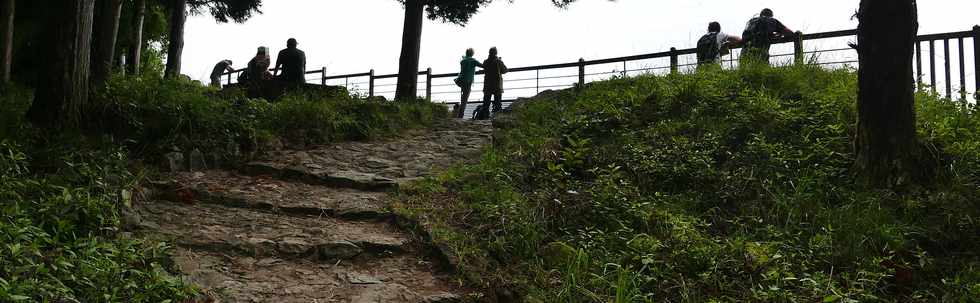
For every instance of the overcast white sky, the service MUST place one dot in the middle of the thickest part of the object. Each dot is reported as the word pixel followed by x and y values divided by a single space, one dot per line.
pixel 353 36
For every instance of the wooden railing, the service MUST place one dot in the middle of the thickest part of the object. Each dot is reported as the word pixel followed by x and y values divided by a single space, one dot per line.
pixel 798 55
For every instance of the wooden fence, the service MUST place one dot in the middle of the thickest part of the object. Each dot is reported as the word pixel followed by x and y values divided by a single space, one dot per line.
pixel 929 78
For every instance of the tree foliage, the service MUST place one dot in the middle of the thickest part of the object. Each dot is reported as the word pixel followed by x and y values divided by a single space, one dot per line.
pixel 459 12
pixel 227 10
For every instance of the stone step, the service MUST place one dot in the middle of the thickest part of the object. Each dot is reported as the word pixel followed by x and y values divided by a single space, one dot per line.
pixel 330 178
pixel 265 193
pixel 260 234
pixel 237 279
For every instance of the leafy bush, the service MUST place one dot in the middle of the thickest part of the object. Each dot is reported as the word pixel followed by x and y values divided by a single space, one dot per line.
pixel 720 186
pixel 14 101
pixel 60 233
pixel 155 115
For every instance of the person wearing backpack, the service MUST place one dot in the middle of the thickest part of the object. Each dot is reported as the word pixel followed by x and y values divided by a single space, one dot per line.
pixel 759 34
pixel 467 72
pixel 715 44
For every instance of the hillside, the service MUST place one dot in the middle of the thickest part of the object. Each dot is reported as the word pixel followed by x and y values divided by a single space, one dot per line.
pixel 721 186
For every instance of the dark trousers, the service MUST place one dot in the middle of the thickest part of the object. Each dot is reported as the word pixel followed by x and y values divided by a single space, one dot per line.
pixel 466 89
pixel 497 102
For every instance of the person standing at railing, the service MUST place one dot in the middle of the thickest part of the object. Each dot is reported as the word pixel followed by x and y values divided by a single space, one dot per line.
pixel 220 68
pixel 493 83
pixel 715 44
pixel 759 34
pixel 293 64
pixel 467 74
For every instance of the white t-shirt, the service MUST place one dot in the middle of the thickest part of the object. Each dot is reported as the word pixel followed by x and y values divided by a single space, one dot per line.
pixel 722 45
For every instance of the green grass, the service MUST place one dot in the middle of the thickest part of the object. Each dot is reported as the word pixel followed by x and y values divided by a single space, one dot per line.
pixel 721 186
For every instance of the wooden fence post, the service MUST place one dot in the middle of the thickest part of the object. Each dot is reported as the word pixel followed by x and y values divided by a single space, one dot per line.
pixel 798 49
pixel 918 65
pixel 428 84
pixel 673 60
pixel 946 64
pixel 229 77
pixel 976 56
pixel 371 83
pixel 932 64
pixel 581 72
pixel 323 76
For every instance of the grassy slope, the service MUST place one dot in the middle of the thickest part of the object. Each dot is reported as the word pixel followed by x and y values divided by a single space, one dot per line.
pixel 61 197
pixel 719 186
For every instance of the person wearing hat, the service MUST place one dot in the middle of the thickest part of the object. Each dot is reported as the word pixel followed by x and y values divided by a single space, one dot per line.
pixel 759 34
pixel 293 64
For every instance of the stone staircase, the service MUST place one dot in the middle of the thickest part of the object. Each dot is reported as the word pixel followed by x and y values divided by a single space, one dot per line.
pixel 312 225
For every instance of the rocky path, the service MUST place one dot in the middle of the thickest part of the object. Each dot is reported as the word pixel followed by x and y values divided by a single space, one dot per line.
pixel 310 226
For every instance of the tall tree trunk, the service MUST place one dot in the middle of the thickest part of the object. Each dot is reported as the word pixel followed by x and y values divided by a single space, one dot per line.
pixel 177 18
pixel 6 39
pixel 104 40
pixel 408 64
pixel 136 50
pixel 888 152
pixel 63 84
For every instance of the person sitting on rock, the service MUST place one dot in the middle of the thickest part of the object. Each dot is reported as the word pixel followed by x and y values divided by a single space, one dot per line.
pixel 293 64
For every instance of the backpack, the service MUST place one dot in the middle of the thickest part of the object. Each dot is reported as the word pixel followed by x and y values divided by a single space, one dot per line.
pixel 757 33
pixel 708 48
pixel 478 113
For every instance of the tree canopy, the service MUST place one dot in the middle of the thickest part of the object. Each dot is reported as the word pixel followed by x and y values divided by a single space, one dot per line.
pixel 459 12
pixel 227 10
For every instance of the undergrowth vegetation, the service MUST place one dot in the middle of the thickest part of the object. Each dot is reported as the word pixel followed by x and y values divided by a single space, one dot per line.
pixel 719 186
pixel 60 237
pixel 154 115
pixel 64 194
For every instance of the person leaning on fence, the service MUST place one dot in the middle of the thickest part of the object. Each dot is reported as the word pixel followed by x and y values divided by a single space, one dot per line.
pixel 715 44
pixel 293 64
pixel 220 68
pixel 493 83
pixel 467 73
pixel 759 34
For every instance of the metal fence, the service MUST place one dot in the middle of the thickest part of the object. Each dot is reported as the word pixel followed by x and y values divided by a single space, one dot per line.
pixel 825 49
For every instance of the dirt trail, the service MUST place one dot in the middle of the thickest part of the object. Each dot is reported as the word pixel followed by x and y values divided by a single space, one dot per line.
pixel 312 225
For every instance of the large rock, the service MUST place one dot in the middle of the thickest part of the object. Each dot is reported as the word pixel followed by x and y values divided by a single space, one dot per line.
pixel 173 161
pixel 338 250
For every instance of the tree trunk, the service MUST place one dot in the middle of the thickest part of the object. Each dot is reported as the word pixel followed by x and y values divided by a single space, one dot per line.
pixel 63 85
pixel 104 40
pixel 6 39
pixel 136 50
pixel 177 18
pixel 408 64
pixel 888 151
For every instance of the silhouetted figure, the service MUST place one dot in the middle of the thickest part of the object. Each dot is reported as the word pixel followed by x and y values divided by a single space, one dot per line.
pixel 467 73
pixel 257 72
pixel 220 68
pixel 493 83
pixel 715 44
pixel 293 64
pixel 759 34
